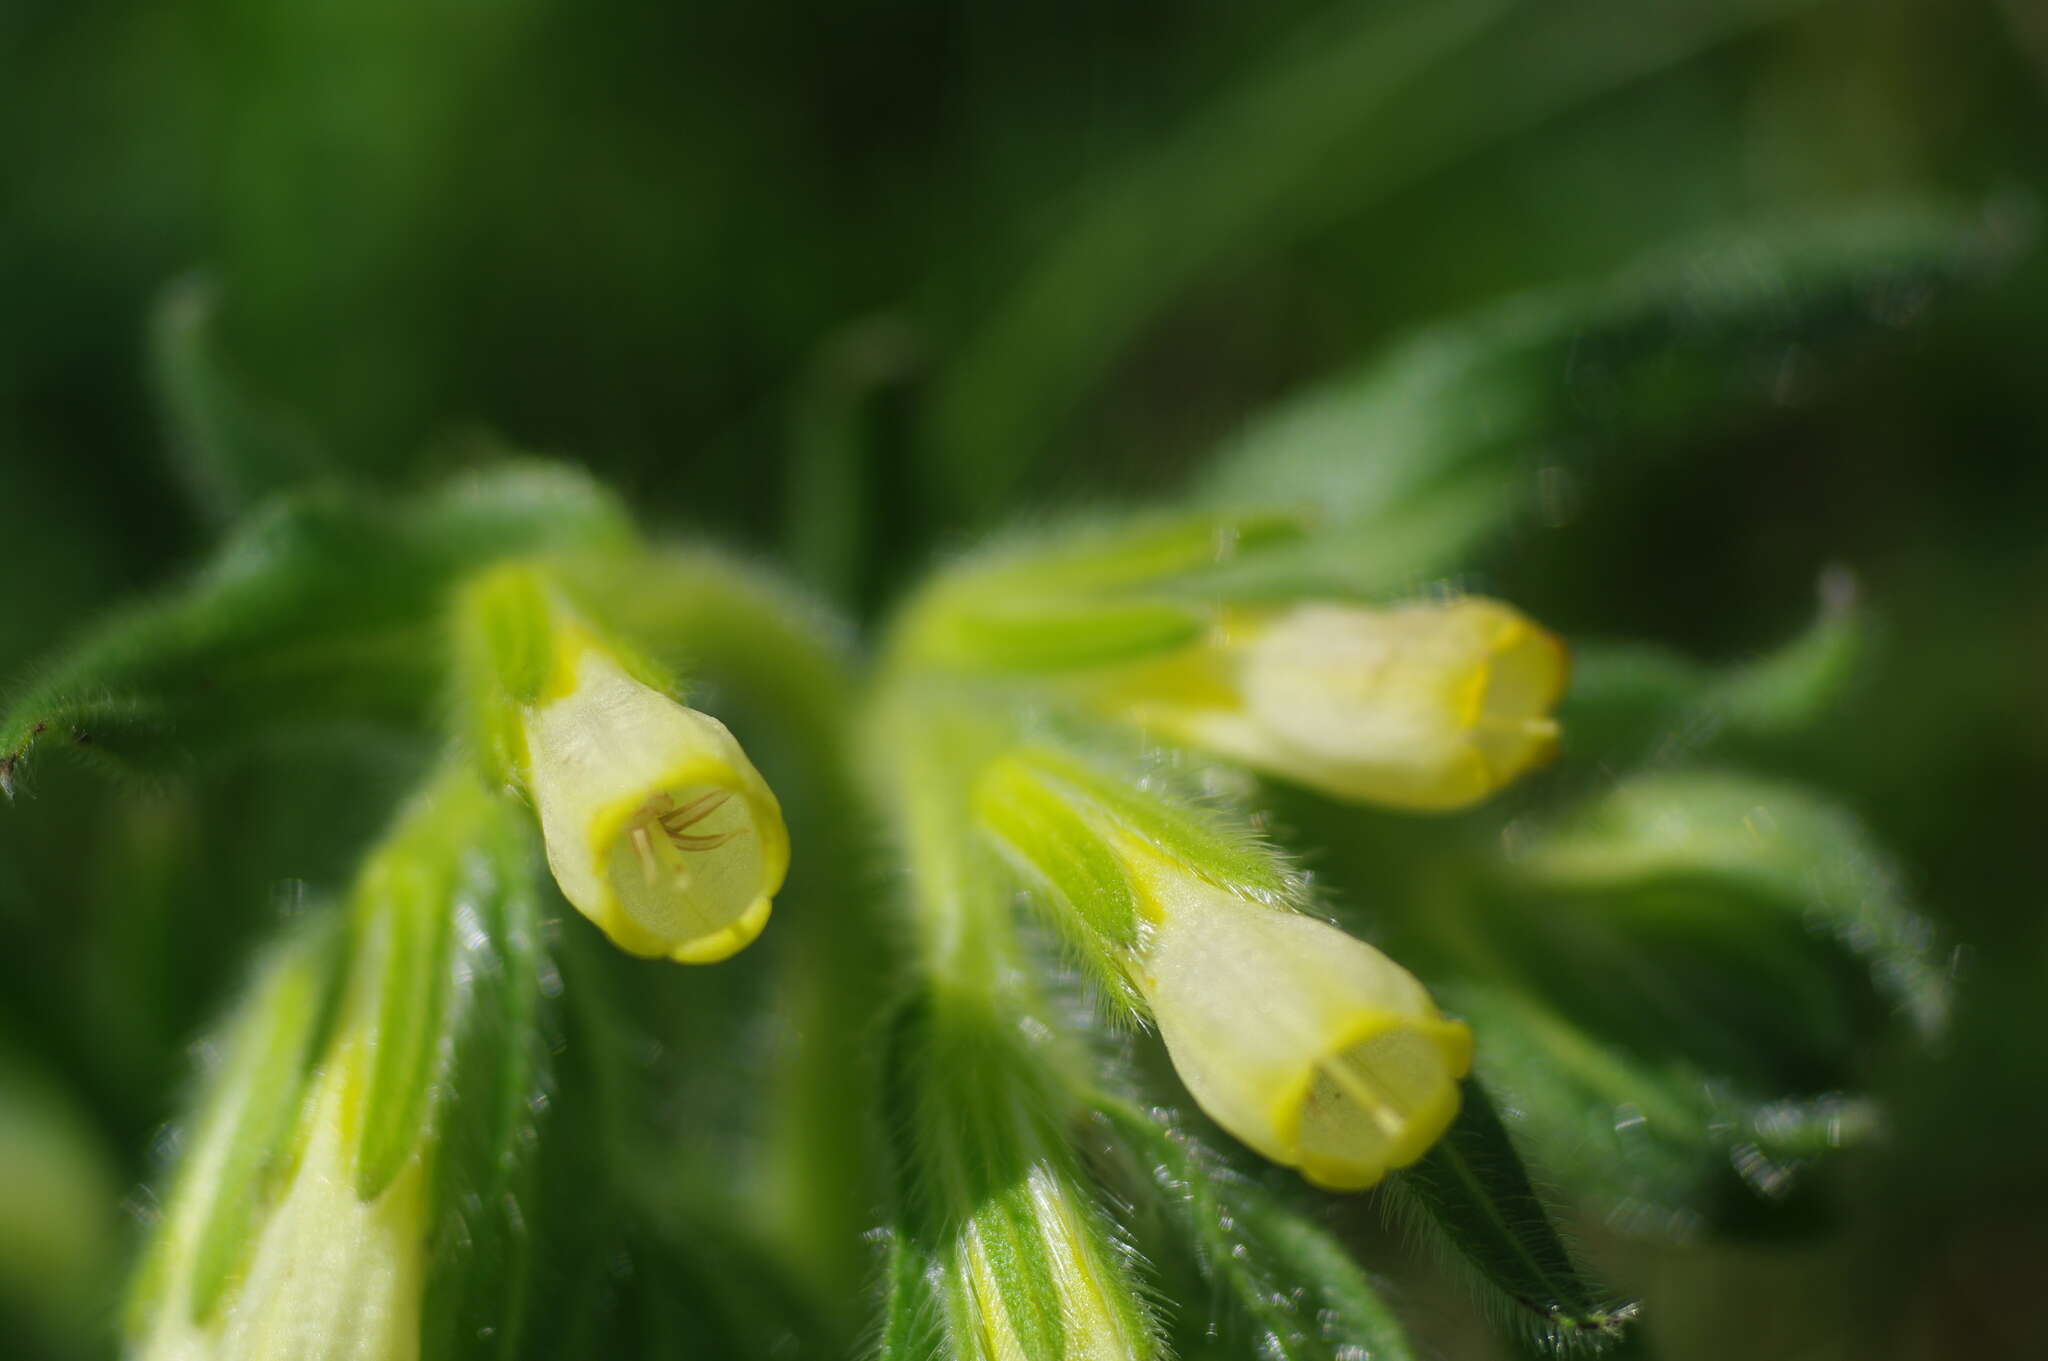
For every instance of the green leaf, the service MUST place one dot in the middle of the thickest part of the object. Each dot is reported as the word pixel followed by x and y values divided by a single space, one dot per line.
pixel 1745 841
pixel 1365 90
pixel 1453 430
pixel 1050 633
pixel 231 450
pixel 323 608
pixel 1472 1192
pixel 1295 1293
pixel 910 1329
pixel 1632 701
pixel 1662 1148
pixel 1638 1141
pixel 494 1084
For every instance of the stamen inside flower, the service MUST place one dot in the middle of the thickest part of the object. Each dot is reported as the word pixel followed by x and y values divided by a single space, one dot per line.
pixel 1364 1100
pixel 687 862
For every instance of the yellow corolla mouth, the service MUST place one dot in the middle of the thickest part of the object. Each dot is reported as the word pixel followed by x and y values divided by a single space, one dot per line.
pixel 1375 1100
pixel 690 870
pixel 657 826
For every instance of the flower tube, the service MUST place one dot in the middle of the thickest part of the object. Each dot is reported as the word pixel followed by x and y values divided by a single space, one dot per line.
pixel 658 827
pixel 1428 706
pixel 1308 1044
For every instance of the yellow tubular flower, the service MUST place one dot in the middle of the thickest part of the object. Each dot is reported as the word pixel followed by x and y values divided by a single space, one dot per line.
pixel 1309 1045
pixel 1428 706
pixel 657 826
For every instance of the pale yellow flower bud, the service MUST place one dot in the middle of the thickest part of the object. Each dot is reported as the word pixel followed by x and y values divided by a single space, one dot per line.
pixel 1309 1045
pixel 657 826
pixel 1427 706
pixel 331 1277
pixel 334 1276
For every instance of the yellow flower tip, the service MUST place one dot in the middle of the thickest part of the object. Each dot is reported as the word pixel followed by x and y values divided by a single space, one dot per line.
pixel 1379 1102
pixel 1309 1045
pixel 1428 706
pixel 657 826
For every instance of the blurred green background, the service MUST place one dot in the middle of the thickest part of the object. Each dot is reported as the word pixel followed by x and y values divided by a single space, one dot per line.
pixel 843 284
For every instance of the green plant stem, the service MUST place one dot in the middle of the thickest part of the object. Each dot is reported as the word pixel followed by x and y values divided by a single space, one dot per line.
pixel 932 748
pixel 716 617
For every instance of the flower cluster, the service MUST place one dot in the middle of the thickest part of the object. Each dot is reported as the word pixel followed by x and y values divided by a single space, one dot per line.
pixel 1145 888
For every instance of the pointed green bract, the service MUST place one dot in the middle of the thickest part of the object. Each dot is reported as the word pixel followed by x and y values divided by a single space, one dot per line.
pixel 504 649
pixel 995 1230
pixel 457 851
pixel 1049 838
pixel 241 1134
pixel 1050 633
pixel 1473 1191
pixel 1259 1253
pixel 1441 430
pixel 232 449
pixel 1753 840
pixel 1148 805
pixel 1629 701
pixel 1092 558
pixel 1089 597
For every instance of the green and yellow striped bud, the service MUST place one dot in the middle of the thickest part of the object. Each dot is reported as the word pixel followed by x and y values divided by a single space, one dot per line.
pixel 1001 1247
pixel 322 1210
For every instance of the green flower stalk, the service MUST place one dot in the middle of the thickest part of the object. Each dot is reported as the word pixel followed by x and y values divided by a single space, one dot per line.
pixel 999 1252
pixel 1308 1045
pixel 658 828
pixel 1428 706
pixel 1001 1249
